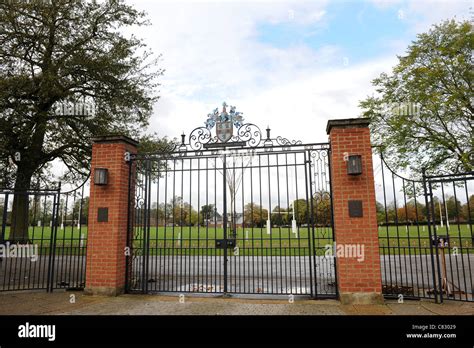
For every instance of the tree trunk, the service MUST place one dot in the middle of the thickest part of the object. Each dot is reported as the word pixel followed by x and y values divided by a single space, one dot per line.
pixel 232 215
pixel 20 216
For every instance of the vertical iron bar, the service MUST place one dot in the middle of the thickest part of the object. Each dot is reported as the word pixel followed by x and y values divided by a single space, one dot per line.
pixel 407 229
pixel 443 263
pixel 398 233
pixel 280 253
pixel 428 197
pixel 436 244
pixel 288 277
pixel 469 221
pixel 269 222
pixel 460 242
pixel 145 230
pixel 128 256
pixel 224 219
pixel 309 205
pixel 4 219
pixel 53 240
pixel 181 235
pixel 386 226
pixel 419 244
pixel 298 235
pixel 334 266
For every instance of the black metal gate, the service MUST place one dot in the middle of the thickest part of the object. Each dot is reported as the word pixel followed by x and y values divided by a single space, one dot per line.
pixel 246 215
pixel 452 240
pixel 52 254
pixel 426 235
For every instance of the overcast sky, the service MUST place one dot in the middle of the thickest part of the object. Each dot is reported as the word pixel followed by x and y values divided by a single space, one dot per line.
pixel 289 64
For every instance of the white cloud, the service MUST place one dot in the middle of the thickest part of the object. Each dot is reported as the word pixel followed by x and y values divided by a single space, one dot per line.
pixel 212 53
pixel 296 110
pixel 423 14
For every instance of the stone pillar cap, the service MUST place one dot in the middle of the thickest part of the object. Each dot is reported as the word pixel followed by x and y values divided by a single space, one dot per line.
pixel 347 123
pixel 114 139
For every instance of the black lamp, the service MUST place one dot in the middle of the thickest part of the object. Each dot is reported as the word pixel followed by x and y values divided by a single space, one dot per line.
pixel 101 176
pixel 354 165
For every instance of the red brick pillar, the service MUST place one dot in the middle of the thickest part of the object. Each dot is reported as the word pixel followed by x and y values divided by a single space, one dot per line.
pixel 107 231
pixel 356 232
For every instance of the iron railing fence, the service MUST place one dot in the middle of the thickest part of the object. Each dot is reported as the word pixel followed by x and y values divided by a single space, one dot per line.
pixel 43 242
pixel 425 234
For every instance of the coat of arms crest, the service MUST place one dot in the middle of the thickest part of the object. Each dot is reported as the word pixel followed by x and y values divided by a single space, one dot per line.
pixel 224 122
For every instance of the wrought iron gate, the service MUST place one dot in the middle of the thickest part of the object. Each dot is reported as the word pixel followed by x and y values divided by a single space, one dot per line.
pixel 231 213
pixel 426 235
pixel 53 252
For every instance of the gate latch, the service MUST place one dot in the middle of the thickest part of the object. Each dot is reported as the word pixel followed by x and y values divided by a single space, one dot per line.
pixel 225 243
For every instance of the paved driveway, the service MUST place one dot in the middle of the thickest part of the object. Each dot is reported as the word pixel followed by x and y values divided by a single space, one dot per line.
pixel 59 302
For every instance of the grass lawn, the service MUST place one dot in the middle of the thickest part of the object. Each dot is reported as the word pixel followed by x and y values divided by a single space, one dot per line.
pixel 255 241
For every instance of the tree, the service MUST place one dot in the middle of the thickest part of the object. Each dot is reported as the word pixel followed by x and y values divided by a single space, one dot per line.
pixel 434 206
pixel 183 214
pixel 301 211
pixel 192 218
pixel 165 213
pixel 423 115
pixel 454 209
pixel 178 210
pixel 280 216
pixel 67 51
pixel 468 210
pixel 236 166
pixel 80 211
pixel 254 215
pixel 410 212
pixel 207 213
pixel 380 208
pixel 322 208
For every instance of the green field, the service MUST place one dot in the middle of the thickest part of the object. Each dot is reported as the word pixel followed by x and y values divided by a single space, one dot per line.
pixel 255 241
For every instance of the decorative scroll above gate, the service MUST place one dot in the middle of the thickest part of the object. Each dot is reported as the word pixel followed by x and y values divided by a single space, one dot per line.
pixel 230 131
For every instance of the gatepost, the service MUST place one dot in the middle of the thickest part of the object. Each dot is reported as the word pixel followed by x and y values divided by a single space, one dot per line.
pixel 108 215
pixel 355 217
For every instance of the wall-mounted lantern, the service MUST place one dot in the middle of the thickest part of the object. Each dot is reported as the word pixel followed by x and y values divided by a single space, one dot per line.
pixel 101 176
pixel 354 165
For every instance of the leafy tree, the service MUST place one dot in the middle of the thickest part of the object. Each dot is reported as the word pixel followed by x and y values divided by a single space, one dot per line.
pixel 183 213
pixel 468 210
pixel 434 205
pixel 165 213
pixel 391 213
pixel 322 208
pixel 192 218
pixel 301 211
pixel 279 216
pixel 454 209
pixel 67 51
pixel 81 207
pixel 410 212
pixel 380 208
pixel 255 215
pixel 423 113
pixel 207 213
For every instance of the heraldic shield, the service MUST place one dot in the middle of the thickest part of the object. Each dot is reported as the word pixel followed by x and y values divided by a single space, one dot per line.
pixel 224 130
